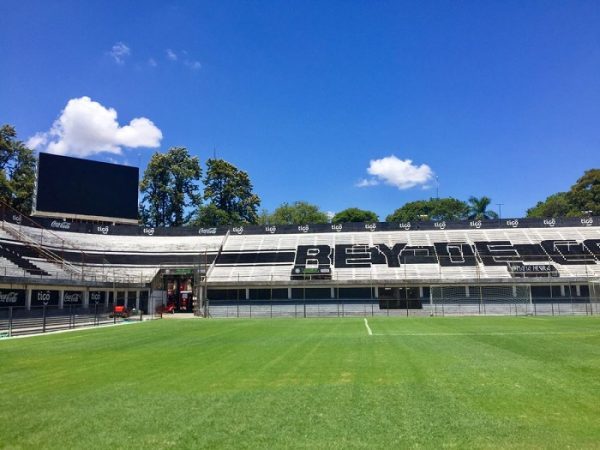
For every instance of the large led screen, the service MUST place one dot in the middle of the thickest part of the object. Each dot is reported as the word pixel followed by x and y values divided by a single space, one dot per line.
pixel 74 187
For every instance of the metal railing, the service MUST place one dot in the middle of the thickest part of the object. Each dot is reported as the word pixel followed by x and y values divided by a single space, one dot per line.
pixel 65 270
pixel 15 230
pixel 299 308
pixel 20 321
pixel 9 270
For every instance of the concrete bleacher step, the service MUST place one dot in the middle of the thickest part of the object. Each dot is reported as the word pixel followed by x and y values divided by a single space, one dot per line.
pixel 104 247
pixel 10 253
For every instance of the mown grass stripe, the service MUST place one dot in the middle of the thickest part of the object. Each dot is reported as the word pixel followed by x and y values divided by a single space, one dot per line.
pixel 309 383
pixel 513 333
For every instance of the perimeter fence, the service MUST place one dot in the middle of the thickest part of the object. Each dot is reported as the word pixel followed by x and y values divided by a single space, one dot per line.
pixel 19 321
pixel 448 300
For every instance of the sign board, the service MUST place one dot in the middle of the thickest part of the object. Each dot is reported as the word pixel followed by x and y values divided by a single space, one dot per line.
pixel 532 270
pixel 73 298
pixel 12 297
pixel 44 297
pixel 97 297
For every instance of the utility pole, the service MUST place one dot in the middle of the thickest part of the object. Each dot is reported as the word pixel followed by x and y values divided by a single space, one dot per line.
pixel 437 187
pixel 499 210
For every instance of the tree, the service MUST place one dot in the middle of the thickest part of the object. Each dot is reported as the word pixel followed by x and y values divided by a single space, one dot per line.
pixel 155 192
pixel 583 198
pixel 185 171
pixel 556 205
pixel 355 215
pixel 584 195
pixel 229 191
pixel 169 188
pixel 23 179
pixel 210 216
pixel 478 208
pixel 297 213
pixel 264 217
pixel 17 171
pixel 433 209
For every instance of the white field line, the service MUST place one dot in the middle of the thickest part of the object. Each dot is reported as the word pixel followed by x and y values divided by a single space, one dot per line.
pixel 51 332
pixel 368 327
pixel 491 333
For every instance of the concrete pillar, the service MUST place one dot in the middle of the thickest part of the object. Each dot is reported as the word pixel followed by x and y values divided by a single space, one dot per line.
pixel 28 298
pixel 61 299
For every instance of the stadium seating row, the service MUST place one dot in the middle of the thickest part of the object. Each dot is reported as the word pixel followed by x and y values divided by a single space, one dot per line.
pixel 380 256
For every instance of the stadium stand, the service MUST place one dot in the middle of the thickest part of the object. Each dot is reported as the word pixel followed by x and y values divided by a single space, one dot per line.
pixel 107 258
pixel 427 255
pixel 495 267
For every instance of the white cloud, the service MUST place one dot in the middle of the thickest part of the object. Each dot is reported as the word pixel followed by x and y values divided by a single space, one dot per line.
pixel 121 161
pixel 85 128
pixel 37 140
pixel 183 58
pixel 194 65
pixel 152 62
pixel 365 182
pixel 397 172
pixel 119 52
pixel 171 55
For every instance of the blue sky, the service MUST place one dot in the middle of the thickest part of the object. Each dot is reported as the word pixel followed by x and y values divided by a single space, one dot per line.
pixel 492 98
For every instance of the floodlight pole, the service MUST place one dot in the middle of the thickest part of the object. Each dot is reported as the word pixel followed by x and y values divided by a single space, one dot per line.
pixel 201 279
pixel 499 210
pixel 205 290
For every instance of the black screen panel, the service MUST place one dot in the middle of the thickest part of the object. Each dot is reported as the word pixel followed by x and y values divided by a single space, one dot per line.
pixel 80 187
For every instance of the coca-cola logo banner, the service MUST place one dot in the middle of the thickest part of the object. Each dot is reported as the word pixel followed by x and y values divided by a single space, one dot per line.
pixel 60 225
pixel 12 297
pixel 73 298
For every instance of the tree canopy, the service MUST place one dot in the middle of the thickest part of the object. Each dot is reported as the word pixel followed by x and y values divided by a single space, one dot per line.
pixel 169 188
pixel 585 194
pixel 355 215
pixel 433 209
pixel 297 213
pixel 583 198
pixel 210 216
pixel 556 205
pixel 229 194
pixel 478 208
pixel 17 171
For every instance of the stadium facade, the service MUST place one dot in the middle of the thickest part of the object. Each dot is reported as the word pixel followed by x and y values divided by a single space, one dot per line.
pixel 508 266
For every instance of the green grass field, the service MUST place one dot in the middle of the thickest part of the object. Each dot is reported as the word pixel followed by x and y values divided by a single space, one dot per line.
pixel 419 382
